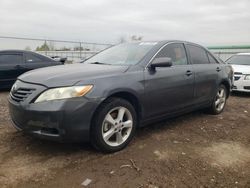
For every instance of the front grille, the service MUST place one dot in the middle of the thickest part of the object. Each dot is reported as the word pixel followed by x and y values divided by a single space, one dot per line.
pixel 236 78
pixel 21 94
pixel 247 87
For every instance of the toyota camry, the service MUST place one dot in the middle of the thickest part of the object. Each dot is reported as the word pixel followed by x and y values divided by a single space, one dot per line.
pixel 105 99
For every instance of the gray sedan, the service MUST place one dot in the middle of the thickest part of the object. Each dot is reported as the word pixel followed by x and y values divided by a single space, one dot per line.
pixel 118 90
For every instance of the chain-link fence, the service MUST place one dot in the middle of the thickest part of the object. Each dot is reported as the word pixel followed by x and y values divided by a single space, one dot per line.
pixel 78 50
pixel 73 50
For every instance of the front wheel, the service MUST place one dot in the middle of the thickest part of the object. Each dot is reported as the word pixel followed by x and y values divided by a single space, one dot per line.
pixel 114 125
pixel 219 101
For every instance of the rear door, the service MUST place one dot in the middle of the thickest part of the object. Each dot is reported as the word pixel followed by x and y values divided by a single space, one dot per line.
pixel 206 72
pixel 34 61
pixel 170 89
pixel 11 66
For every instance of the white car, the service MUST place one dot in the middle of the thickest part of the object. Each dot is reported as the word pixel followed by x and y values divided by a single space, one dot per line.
pixel 241 65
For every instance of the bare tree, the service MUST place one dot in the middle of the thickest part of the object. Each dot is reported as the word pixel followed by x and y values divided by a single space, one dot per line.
pixel 51 45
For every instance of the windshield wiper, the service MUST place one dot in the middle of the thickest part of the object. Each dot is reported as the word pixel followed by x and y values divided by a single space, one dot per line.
pixel 99 63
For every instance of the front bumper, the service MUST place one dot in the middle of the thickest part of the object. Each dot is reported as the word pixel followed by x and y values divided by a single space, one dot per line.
pixel 60 120
pixel 240 84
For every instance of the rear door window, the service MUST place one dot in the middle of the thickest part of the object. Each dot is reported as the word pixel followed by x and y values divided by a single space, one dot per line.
pixel 198 55
pixel 32 58
pixel 176 52
pixel 11 58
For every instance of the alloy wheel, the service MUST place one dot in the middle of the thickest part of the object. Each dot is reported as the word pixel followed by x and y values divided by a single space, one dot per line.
pixel 220 99
pixel 117 126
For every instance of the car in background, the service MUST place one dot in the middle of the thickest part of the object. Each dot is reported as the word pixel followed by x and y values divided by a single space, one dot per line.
pixel 105 99
pixel 241 65
pixel 13 63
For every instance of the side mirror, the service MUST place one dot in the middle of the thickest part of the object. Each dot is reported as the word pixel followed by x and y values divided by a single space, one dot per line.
pixel 162 62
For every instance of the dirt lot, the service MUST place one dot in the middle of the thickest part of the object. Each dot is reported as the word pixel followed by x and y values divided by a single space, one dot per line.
pixel 195 150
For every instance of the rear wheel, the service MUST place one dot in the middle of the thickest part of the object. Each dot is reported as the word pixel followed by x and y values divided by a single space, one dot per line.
pixel 219 101
pixel 114 125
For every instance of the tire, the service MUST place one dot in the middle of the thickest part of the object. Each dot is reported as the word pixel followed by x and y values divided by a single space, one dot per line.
pixel 109 132
pixel 219 101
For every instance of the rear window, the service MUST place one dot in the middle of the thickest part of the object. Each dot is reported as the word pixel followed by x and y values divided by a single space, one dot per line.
pixel 239 60
pixel 11 58
pixel 198 55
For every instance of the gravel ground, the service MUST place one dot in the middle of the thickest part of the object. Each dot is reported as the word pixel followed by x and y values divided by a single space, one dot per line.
pixel 194 150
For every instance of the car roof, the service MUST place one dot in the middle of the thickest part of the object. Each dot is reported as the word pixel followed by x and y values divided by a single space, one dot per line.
pixel 15 51
pixel 26 51
pixel 163 42
pixel 167 41
pixel 243 54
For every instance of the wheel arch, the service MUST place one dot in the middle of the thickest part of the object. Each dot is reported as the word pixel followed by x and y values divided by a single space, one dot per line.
pixel 132 99
pixel 227 85
pixel 128 96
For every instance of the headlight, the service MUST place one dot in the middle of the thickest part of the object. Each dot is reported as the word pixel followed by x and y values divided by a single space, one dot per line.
pixel 64 93
pixel 247 77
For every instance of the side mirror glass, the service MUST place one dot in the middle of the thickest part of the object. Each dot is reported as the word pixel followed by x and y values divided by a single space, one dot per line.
pixel 162 62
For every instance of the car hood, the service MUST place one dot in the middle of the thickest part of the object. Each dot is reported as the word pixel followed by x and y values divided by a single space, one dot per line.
pixel 244 69
pixel 68 75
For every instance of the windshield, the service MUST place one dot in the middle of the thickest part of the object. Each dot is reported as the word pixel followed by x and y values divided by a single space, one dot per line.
pixel 122 54
pixel 239 60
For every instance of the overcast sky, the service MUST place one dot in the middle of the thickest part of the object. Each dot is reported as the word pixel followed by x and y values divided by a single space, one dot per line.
pixel 208 22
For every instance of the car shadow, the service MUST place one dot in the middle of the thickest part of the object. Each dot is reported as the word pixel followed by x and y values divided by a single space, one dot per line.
pixel 169 123
pixel 23 143
pixel 240 94
pixel 47 148
pixel 4 90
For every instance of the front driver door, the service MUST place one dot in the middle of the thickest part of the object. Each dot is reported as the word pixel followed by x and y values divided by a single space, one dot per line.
pixel 170 89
